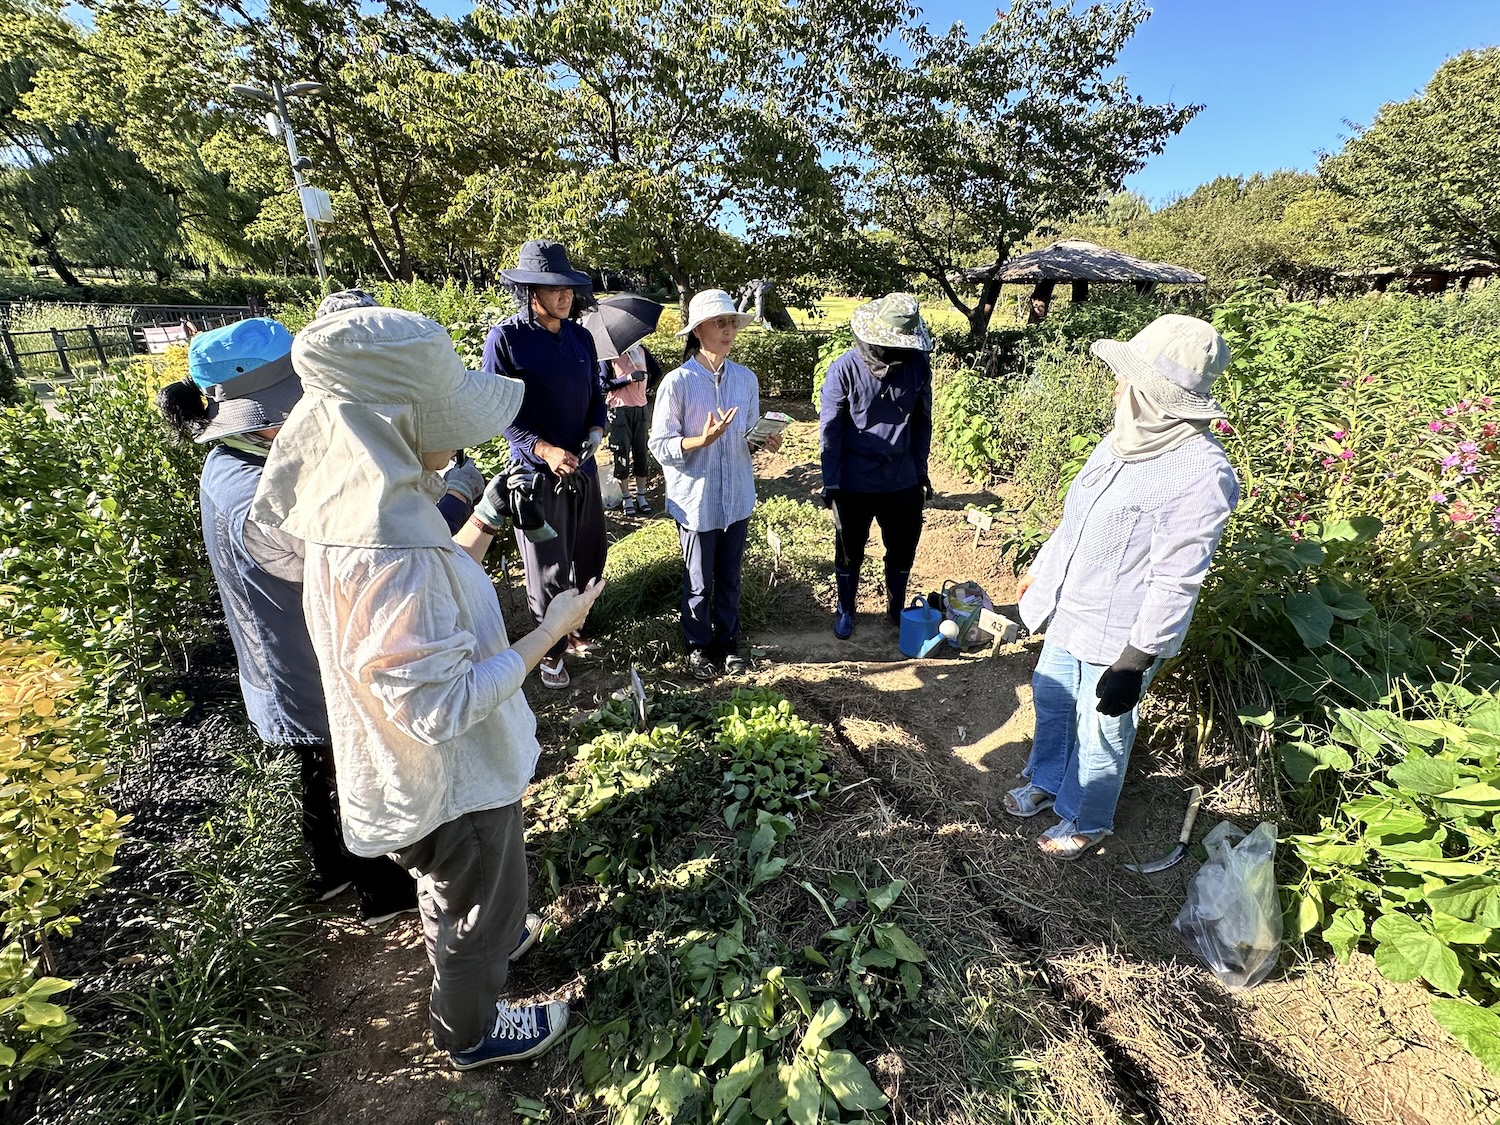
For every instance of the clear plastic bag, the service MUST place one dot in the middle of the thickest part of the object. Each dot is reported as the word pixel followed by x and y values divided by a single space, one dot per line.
pixel 1232 917
pixel 610 491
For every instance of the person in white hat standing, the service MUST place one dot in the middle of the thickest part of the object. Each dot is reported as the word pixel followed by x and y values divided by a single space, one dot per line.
pixel 1116 585
pixel 704 410
pixel 434 740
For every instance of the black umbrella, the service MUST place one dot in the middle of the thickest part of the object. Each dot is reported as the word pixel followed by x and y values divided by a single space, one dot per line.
pixel 616 323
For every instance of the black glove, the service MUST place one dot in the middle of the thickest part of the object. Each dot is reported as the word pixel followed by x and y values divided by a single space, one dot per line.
pixel 1119 688
pixel 494 503
pixel 927 493
pixel 828 495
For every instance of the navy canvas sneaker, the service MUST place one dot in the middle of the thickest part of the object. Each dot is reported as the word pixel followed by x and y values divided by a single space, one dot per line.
pixel 530 931
pixel 516 1035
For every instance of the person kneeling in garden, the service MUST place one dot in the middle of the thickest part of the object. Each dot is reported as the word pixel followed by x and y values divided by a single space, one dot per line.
pixel 434 741
pixel 875 424
pixel 1116 584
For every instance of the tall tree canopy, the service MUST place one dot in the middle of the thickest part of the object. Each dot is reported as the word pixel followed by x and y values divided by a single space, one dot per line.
pixel 962 151
pixel 643 131
pixel 1424 173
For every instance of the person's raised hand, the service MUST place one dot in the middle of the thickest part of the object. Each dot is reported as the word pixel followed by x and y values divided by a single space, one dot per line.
pixel 569 609
pixel 772 443
pixel 493 504
pixel 717 424
pixel 465 481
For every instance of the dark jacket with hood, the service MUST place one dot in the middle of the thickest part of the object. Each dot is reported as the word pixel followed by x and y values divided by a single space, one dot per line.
pixel 876 422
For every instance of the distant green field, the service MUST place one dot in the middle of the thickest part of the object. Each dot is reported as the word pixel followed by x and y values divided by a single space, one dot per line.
pixel 834 311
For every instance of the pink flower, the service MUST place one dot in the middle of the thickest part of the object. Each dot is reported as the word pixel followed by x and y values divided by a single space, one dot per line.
pixel 1368 379
pixel 1447 412
pixel 1435 427
pixel 1339 435
pixel 1439 498
pixel 1460 512
pixel 1347 455
pixel 1222 427
pixel 1451 460
pixel 1329 462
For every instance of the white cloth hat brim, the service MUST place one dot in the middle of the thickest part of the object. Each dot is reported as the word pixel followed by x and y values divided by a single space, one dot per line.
pixel 742 319
pixel 1134 368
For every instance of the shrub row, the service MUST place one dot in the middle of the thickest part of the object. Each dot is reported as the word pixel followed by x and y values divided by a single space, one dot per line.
pixel 221 289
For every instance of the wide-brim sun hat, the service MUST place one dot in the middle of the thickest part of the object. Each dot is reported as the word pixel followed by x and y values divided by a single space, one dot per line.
pixel 892 321
pixel 377 356
pixel 710 305
pixel 546 263
pixel 1174 360
pixel 245 372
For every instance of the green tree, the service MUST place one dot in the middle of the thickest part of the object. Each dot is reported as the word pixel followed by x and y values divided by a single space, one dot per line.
pixel 641 131
pixel 963 151
pixel 1422 176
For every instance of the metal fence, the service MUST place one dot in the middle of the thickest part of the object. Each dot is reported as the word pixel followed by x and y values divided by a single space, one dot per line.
pixel 53 354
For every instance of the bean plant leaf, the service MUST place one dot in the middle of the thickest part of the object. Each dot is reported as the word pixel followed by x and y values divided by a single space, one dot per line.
pixel 1311 618
pixel 1344 931
pixel 738 1078
pixel 893 939
pixel 1425 775
pixel 1407 951
pixel 849 1081
pixel 1485 796
pixel 1302 760
pixel 881 899
pixel 677 1089
pixel 1473 899
pixel 1455 931
pixel 829 1018
pixel 1478 1029
pixel 725 1036
pixel 804 1092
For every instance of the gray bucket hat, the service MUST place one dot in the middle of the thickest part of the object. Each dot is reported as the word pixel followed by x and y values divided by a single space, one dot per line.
pixel 892 321
pixel 1174 360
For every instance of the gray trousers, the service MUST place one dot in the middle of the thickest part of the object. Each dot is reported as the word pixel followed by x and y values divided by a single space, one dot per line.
pixel 471 887
pixel 574 557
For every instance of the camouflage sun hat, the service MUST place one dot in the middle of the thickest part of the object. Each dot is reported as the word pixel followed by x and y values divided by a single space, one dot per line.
pixel 892 321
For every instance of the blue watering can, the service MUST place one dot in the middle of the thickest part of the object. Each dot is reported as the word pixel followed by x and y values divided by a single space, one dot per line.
pixel 919 628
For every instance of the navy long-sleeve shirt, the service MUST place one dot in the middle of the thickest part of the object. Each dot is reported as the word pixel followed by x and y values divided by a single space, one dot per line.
pixel 563 399
pixel 876 433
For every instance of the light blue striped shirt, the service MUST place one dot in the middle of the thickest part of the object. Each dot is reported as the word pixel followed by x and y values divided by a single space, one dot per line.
pixel 1128 561
pixel 707 489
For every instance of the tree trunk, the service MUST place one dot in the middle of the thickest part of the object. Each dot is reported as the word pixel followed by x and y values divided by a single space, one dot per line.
pixel 984 310
pixel 46 242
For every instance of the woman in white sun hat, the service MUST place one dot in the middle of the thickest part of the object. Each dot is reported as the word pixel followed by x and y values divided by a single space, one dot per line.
pixel 1116 584
pixel 434 740
pixel 704 410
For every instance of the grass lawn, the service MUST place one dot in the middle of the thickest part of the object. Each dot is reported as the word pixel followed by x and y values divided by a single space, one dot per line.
pixel 831 312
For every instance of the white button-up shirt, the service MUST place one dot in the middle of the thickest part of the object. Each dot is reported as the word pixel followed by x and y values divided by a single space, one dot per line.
pixel 707 489
pixel 1127 563
pixel 424 696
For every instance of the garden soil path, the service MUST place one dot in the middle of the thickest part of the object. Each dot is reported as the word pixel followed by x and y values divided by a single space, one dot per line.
pixel 1127 1026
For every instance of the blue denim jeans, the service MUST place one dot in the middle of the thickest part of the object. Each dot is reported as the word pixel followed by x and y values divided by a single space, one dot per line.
pixel 1078 754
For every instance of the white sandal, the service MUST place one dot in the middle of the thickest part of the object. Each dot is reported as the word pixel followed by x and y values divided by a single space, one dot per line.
pixel 1064 841
pixel 1027 800
pixel 555 676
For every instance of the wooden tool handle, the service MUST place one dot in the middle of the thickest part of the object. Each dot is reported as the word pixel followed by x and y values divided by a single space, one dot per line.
pixel 1195 798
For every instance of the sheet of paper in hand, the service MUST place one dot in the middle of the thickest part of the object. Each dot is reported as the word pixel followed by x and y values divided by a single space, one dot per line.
pixel 769 424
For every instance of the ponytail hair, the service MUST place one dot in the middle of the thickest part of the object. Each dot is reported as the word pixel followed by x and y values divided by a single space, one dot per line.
pixel 184 407
pixel 691 346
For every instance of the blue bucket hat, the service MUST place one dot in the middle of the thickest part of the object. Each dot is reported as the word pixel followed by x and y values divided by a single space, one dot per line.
pixel 245 372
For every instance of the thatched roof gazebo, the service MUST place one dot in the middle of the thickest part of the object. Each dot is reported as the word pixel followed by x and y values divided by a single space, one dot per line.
pixel 1079 263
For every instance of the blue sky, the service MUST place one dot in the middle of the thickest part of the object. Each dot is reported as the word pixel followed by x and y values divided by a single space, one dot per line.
pixel 1278 78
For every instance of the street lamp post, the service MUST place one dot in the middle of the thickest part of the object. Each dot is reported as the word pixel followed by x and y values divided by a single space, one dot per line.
pixel 279 122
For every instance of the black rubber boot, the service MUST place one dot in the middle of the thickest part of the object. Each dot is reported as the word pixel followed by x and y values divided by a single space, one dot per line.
pixel 843 621
pixel 895 588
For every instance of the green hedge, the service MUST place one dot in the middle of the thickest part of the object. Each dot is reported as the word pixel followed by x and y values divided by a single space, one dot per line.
pixel 222 289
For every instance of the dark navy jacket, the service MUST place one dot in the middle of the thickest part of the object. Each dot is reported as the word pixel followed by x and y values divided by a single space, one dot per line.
pixel 563 398
pixel 876 433
pixel 278 670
